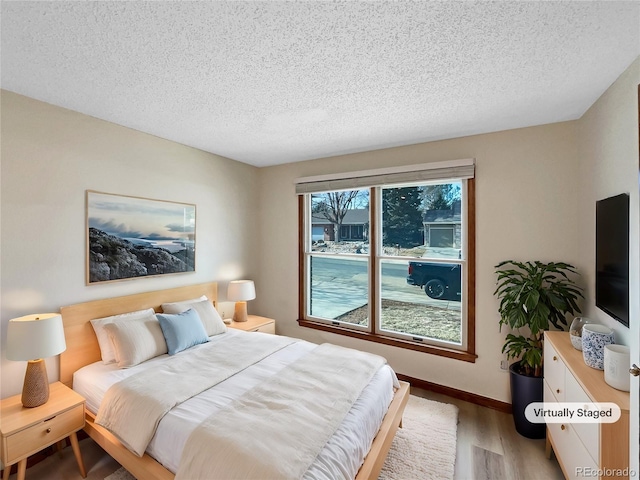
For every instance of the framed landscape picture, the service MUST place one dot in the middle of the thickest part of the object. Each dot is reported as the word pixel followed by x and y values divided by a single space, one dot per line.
pixel 130 237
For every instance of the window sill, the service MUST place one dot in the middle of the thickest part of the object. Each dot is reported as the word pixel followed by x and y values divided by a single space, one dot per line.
pixel 396 342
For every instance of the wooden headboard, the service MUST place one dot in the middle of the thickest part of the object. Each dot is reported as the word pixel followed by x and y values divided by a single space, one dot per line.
pixel 82 344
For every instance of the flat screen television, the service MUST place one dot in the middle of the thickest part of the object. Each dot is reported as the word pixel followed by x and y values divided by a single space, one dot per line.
pixel 612 257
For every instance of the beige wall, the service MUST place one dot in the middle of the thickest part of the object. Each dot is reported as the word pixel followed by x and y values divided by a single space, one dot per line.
pixel 526 210
pixel 50 156
pixel 608 165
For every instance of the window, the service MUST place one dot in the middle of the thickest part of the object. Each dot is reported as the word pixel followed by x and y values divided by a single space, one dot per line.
pixel 441 237
pixel 396 262
pixel 351 232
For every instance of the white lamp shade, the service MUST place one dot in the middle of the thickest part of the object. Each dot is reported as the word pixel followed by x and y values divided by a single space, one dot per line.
pixel 241 290
pixel 35 336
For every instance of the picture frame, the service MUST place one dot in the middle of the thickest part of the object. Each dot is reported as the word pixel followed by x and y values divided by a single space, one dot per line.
pixel 133 237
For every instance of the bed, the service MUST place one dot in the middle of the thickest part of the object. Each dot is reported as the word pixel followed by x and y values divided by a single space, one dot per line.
pixel 83 358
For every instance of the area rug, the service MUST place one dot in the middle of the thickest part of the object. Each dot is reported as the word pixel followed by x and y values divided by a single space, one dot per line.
pixel 424 448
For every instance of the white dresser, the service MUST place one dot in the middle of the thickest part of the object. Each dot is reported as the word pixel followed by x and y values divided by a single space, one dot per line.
pixel 582 447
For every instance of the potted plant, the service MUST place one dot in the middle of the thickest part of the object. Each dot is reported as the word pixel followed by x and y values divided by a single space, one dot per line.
pixel 532 296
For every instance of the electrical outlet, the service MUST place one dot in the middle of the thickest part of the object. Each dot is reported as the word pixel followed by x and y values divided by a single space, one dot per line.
pixel 225 309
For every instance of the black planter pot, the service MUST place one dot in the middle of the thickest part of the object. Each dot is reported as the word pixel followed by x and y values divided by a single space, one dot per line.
pixel 525 390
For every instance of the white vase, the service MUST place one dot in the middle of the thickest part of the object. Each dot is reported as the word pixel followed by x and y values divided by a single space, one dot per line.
pixel 616 366
pixel 594 338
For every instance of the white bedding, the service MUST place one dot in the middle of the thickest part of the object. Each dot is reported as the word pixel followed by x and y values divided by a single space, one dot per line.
pixel 340 458
pixel 132 408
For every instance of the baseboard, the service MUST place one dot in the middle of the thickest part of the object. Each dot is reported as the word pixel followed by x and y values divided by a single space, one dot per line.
pixel 459 394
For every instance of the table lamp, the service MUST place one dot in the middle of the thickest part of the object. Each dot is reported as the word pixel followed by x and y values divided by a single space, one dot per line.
pixel 240 291
pixel 33 338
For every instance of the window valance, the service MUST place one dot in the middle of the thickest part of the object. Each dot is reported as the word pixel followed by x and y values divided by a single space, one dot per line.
pixel 452 169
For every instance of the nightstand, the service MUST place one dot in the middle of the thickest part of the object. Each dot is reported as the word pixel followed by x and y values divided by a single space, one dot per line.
pixel 256 324
pixel 26 431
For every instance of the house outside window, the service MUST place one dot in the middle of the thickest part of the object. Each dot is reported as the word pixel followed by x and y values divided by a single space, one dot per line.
pixel 396 261
pixel 443 226
pixel 352 227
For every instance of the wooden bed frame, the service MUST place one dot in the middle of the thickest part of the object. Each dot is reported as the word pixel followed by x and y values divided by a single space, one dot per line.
pixel 83 349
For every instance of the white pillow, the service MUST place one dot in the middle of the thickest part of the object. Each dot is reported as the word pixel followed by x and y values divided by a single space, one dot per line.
pixel 136 340
pixel 199 299
pixel 209 316
pixel 106 348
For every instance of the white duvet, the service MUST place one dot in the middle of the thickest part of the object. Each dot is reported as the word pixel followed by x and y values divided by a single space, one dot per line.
pixel 132 408
pixel 340 458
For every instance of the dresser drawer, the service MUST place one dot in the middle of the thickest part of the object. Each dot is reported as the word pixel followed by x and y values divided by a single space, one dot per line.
pixel 570 451
pixel 584 446
pixel 547 394
pixel 554 372
pixel 589 433
pixel 36 437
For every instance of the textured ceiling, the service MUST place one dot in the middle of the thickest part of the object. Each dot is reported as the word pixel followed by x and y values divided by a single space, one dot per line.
pixel 275 82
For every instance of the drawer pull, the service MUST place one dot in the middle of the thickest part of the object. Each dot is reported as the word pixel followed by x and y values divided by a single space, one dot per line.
pixel 562 427
pixel 48 430
pixel 555 359
pixel 557 390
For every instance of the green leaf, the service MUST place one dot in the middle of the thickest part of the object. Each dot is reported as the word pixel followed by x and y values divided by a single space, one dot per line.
pixel 532 296
pixel 531 300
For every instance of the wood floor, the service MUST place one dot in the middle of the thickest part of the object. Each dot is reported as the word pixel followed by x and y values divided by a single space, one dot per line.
pixel 489 448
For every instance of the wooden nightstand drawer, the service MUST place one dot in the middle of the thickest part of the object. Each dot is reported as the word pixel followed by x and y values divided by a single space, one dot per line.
pixel 256 323
pixel 269 328
pixel 34 438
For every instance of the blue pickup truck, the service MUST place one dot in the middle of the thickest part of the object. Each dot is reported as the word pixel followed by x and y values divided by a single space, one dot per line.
pixel 440 280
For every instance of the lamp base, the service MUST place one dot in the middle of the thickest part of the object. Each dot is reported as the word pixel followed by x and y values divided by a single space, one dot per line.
pixel 35 391
pixel 240 312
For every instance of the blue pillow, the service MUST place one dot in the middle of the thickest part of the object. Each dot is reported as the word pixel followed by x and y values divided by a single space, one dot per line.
pixel 182 330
